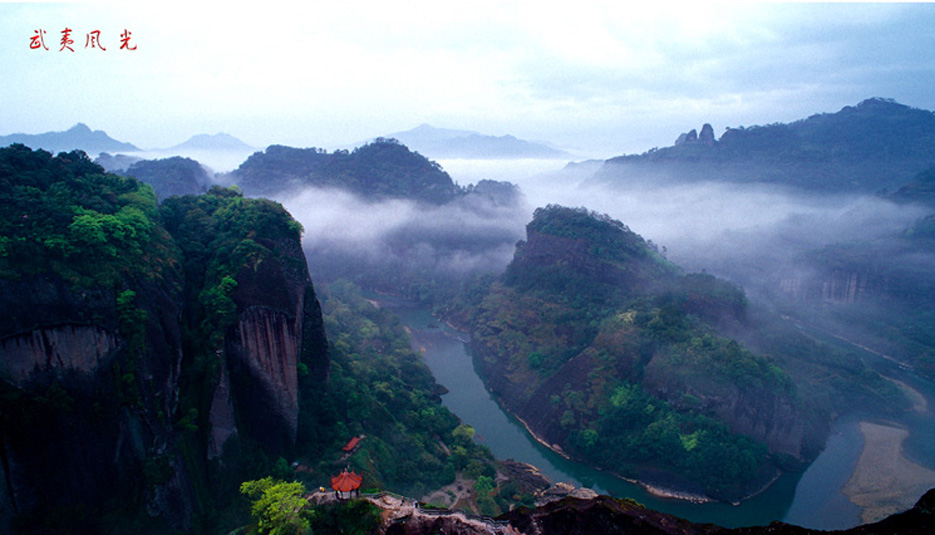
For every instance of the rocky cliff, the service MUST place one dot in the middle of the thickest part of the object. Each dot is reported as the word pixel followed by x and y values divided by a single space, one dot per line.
pixel 137 342
pixel 612 356
pixel 278 318
pixel 608 515
pixel 87 405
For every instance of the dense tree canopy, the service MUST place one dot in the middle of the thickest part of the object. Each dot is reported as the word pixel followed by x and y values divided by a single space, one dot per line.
pixel 65 214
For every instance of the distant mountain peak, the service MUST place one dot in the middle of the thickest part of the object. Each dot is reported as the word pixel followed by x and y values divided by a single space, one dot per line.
pixel 879 102
pixel 79 136
pixel 219 141
pixel 449 143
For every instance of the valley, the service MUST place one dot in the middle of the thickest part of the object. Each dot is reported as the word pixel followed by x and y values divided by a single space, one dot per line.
pixel 709 372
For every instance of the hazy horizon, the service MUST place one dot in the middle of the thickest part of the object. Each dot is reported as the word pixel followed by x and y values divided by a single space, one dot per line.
pixel 595 79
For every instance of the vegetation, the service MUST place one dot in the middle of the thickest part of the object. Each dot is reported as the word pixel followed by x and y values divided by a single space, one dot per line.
pixel 382 169
pixel 279 507
pixel 379 387
pixel 626 363
pixel 877 144
pixel 171 176
pixel 224 236
pixel 200 259
pixel 65 215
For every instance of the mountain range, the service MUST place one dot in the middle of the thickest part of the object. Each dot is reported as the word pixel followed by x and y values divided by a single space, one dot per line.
pixel 448 143
pixel 876 145
pixel 76 137
pixel 431 141
pixel 94 142
pixel 155 355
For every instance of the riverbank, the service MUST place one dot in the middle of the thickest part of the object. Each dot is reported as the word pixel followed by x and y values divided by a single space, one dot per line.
pixel 885 481
pixel 453 367
pixel 655 490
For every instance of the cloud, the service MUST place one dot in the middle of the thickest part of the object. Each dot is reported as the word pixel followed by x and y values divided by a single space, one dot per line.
pixel 402 241
pixel 750 233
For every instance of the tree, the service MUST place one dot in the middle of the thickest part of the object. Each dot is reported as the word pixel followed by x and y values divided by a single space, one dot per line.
pixel 279 507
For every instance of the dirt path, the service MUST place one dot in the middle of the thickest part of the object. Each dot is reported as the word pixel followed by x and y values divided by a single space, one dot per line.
pixel 457 495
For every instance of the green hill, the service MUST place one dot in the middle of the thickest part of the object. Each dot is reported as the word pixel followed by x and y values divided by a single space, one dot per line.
pixel 611 354
pixel 379 170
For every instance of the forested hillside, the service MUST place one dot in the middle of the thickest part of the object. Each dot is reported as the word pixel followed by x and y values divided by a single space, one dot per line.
pixel 171 176
pixel 155 357
pixel 609 352
pixel 876 145
pixel 379 170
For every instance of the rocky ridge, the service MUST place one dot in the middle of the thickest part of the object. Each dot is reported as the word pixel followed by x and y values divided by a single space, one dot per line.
pixel 606 515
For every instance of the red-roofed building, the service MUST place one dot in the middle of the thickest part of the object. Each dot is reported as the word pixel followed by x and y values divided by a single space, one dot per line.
pixel 350 446
pixel 346 482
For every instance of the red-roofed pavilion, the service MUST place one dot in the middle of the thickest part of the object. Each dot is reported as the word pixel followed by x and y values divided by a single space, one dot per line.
pixel 346 482
pixel 350 446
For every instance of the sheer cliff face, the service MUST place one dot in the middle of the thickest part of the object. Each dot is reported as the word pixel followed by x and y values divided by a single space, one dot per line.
pixel 84 406
pixel 835 286
pixel 92 408
pixel 63 347
pixel 276 309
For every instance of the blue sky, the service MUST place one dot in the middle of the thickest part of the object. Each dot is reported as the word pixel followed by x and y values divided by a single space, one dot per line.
pixel 602 78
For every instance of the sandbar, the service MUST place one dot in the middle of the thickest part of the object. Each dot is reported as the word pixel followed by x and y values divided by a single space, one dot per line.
pixel 885 482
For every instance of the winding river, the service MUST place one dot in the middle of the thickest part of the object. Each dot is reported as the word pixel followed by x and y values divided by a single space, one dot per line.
pixel 811 499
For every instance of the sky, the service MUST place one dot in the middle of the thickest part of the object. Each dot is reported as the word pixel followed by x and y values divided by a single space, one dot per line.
pixel 596 78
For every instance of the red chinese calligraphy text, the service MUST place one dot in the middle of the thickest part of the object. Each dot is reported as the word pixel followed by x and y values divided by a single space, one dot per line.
pixel 66 40
pixel 125 40
pixel 38 40
pixel 93 40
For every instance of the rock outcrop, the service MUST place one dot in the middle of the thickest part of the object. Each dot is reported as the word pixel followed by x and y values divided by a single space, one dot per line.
pixel 687 137
pixel 77 348
pixel 706 137
pixel 277 310
pixel 606 515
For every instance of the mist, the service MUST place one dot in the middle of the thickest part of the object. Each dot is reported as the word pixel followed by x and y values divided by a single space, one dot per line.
pixel 402 242
pixel 752 234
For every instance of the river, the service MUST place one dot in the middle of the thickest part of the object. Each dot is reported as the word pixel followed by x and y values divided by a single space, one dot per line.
pixel 811 499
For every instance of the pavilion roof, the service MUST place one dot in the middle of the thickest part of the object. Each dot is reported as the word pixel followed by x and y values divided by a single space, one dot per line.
pixel 346 481
pixel 352 444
